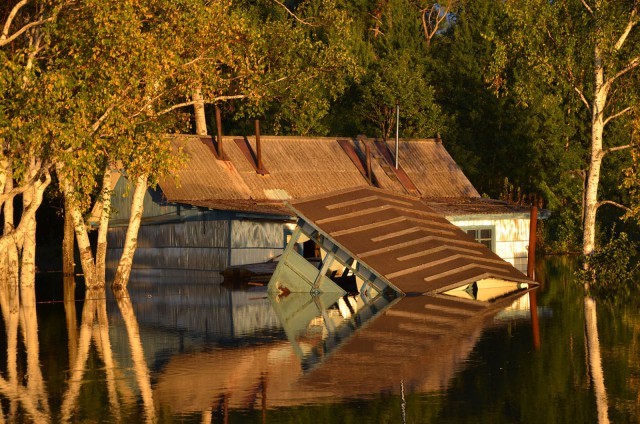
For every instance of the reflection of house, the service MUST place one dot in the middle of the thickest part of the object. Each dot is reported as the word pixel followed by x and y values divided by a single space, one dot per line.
pixel 214 212
pixel 411 344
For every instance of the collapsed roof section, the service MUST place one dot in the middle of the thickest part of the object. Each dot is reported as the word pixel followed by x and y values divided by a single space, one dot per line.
pixel 370 240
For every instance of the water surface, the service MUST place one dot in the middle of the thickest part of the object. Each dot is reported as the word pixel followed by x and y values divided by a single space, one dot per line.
pixel 196 352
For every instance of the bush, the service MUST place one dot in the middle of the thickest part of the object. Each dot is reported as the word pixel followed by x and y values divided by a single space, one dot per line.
pixel 612 270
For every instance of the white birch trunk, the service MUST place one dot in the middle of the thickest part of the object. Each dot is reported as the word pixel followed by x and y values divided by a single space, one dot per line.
pixel 199 112
pixel 28 262
pixel 131 239
pixel 593 176
pixel 10 259
pixel 68 242
pixel 101 248
pixel 82 235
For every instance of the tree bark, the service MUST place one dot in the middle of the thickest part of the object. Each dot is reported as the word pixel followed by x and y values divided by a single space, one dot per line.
pixel 131 239
pixel 68 242
pixel 28 263
pixel 101 248
pixel 80 229
pixel 199 111
pixel 601 91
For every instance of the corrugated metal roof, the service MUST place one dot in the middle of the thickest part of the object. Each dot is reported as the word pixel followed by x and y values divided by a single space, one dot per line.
pixel 473 206
pixel 299 167
pixel 403 240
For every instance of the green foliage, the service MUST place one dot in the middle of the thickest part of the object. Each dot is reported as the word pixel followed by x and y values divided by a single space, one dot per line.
pixel 612 271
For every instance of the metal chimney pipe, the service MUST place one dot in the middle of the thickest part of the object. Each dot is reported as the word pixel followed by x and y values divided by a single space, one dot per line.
pixel 531 258
pixel 368 156
pixel 219 136
pixel 258 146
pixel 397 130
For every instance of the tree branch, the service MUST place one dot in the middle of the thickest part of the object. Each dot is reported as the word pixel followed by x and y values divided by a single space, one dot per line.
pixel 633 63
pixel 611 202
pixel 633 20
pixel 587 6
pixel 615 115
pixel 191 103
pixel 583 98
pixel 616 148
pixel 303 22
pixel 10 18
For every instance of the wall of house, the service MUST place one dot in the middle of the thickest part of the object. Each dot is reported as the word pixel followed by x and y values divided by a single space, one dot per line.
pixel 179 242
pixel 510 235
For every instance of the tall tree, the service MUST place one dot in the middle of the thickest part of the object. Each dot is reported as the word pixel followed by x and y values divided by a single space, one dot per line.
pixel 592 47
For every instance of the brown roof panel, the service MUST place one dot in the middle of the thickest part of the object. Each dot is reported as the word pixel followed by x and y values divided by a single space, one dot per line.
pixel 472 206
pixel 430 168
pixel 401 239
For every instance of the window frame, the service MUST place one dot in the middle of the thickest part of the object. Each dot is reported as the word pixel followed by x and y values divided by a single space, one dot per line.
pixel 479 228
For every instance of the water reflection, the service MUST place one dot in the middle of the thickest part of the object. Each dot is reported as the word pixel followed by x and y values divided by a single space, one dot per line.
pixel 338 348
pixel 208 353
pixel 25 389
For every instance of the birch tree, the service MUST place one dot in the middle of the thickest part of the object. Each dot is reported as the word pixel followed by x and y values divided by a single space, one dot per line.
pixel 592 47
pixel 24 158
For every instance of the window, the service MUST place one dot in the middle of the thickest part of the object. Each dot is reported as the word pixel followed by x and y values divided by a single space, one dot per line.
pixel 482 235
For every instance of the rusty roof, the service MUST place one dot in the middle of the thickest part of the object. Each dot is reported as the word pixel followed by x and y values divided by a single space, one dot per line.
pixel 298 167
pixel 403 240
pixel 425 162
pixel 449 206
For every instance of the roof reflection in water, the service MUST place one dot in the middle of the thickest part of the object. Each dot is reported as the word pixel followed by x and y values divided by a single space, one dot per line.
pixel 339 348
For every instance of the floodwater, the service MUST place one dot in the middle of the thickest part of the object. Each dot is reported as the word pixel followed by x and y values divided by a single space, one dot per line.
pixel 186 352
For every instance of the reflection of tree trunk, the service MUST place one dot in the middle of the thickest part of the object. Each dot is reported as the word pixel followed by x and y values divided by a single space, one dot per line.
pixel 76 371
pixel 9 301
pixel 70 314
pixel 29 319
pixel 137 353
pixel 103 344
pixel 595 361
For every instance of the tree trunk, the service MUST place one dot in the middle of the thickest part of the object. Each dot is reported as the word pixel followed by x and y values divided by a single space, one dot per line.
pixel 80 229
pixel 68 242
pixel 101 248
pixel 198 108
pixel 593 175
pixel 9 255
pixel 28 263
pixel 131 239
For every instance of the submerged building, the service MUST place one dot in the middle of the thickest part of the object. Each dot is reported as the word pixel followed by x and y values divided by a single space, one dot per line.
pixel 226 205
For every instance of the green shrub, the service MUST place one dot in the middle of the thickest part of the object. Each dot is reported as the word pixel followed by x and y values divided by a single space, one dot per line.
pixel 612 270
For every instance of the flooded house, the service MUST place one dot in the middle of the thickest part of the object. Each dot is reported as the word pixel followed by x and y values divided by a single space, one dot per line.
pixel 226 205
